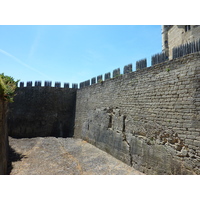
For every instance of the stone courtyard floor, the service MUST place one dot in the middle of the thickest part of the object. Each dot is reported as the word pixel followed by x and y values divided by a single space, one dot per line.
pixel 62 156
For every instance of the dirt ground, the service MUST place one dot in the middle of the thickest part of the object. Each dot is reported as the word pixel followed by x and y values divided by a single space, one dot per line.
pixel 62 156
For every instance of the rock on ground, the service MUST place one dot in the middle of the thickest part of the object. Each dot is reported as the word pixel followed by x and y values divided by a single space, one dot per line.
pixel 62 156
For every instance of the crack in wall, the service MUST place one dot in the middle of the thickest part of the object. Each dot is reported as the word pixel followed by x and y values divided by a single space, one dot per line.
pixel 110 121
pixel 125 140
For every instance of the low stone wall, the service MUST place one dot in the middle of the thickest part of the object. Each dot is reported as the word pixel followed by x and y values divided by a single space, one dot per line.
pixel 42 111
pixel 150 119
pixel 3 138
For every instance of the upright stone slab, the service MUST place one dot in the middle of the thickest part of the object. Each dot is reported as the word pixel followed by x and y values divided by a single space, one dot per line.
pixel 47 83
pixel 93 80
pixel 66 85
pixel 141 64
pixel 29 84
pixel 74 85
pixel 99 78
pixel 87 83
pixel 21 84
pixel 127 69
pixel 107 76
pixel 57 84
pixel 38 83
pixel 159 58
pixel 116 72
pixel 82 85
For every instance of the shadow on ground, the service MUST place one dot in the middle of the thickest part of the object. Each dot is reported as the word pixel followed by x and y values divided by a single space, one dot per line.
pixel 13 156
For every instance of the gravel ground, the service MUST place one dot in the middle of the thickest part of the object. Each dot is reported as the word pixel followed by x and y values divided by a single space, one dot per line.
pixel 62 156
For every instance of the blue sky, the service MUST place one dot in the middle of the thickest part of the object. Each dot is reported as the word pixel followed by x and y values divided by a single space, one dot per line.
pixel 74 53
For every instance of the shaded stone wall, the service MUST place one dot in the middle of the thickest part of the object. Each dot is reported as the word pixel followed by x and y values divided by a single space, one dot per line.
pixel 3 138
pixel 42 111
pixel 150 119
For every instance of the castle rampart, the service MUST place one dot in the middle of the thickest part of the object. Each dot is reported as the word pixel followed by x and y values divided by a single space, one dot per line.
pixel 149 118
pixel 42 111
pixel 3 138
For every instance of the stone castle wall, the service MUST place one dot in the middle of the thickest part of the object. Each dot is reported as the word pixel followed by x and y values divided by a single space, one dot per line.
pixel 42 111
pixel 150 119
pixel 3 138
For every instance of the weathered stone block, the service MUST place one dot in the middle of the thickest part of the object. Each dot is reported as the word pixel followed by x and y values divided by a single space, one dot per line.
pixel 197 143
pixel 189 141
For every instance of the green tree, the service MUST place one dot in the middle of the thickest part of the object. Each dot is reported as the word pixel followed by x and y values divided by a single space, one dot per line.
pixel 7 87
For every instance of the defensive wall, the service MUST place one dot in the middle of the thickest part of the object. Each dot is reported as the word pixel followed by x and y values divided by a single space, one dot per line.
pixel 3 138
pixel 149 119
pixel 42 111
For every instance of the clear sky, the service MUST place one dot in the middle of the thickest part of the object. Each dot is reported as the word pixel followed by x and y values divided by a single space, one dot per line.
pixel 74 53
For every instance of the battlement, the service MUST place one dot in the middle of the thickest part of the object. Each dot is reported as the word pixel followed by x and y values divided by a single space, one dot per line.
pixel 149 118
pixel 159 58
pixel 47 84
pixel 186 49
pixel 179 51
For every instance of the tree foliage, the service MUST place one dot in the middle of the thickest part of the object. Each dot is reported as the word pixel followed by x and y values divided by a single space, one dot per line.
pixel 7 87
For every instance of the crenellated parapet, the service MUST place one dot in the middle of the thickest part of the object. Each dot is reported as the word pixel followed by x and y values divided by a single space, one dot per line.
pixel 186 49
pixel 99 78
pixel 46 84
pixel 107 76
pixel 116 73
pixel 127 69
pixel 159 58
pixel 148 119
pixel 141 64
